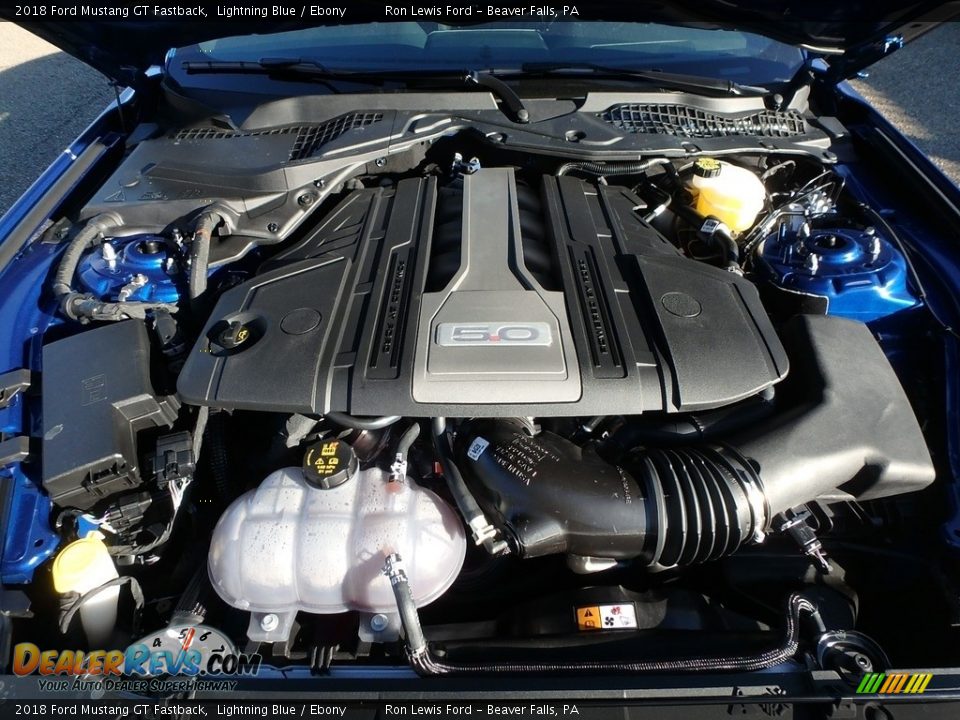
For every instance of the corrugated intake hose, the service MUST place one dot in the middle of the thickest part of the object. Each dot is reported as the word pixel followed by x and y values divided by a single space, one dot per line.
pixel 83 306
pixel 426 663
pixel 612 169
pixel 88 236
pixel 842 429
pixel 200 252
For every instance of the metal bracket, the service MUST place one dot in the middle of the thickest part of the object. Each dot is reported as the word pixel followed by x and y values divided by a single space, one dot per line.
pixel 16 449
pixel 12 384
pixel 892 43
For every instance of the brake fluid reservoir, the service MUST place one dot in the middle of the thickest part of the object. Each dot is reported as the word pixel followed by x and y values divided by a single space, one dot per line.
pixel 728 192
pixel 292 546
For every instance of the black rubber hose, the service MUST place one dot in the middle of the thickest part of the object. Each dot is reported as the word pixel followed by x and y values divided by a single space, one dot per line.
pixel 727 245
pixel 398 470
pixel 200 252
pixel 465 502
pixel 612 169
pixel 84 239
pixel 720 238
pixel 361 423
pixel 426 663
pixel 82 306
pixel 415 640
pixel 407 440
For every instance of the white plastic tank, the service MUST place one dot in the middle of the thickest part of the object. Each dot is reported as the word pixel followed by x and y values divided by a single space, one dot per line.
pixel 290 546
pixel 730 193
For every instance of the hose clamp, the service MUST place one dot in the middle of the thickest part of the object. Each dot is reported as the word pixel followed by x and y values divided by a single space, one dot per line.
pixel 393 569
pixel 752 486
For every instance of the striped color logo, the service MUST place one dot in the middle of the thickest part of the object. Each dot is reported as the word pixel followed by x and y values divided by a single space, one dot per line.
pixel 894 683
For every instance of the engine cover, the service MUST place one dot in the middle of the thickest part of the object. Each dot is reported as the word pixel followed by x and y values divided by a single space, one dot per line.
pixel 564 305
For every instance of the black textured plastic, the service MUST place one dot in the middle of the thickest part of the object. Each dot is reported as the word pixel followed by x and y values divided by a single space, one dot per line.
pixel 365 268
pixel 97 394
pixel 689 504
pixel 310 138
pixel 692 122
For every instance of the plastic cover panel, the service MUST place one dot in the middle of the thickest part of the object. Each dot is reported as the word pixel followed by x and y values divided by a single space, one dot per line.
pixel 624 324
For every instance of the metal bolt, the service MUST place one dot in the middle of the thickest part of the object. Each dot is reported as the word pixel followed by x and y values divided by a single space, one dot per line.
pixel 109 253
pixel 306 200
pixel 319 182
pixel 379 622
pixel 380 161
pixel 273 228
pixel 863 662
pixel 269 622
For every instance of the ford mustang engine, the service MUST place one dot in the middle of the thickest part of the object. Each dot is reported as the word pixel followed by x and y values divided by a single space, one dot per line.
pixel 350 404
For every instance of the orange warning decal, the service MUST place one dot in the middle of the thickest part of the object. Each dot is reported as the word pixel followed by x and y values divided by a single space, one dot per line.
pixel 588 618
pixel 622 616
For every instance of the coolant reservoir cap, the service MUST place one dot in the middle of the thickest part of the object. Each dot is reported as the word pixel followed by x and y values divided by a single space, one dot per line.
pixel 707 167
pixel 329 463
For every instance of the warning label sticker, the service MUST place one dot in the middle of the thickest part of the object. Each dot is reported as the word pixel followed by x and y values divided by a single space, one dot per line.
pixel 607 617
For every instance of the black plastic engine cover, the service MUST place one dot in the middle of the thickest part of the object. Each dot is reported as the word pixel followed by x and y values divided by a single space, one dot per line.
pixel 345 319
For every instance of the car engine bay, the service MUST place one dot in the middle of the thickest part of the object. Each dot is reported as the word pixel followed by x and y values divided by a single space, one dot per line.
pixel 639 386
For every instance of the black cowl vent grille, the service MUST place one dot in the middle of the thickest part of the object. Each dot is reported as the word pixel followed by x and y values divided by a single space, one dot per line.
pixel 691 122
pixel 310 138
pixel 211 133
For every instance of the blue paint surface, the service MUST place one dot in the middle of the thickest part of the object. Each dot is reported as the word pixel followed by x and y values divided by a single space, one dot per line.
pixel 861 274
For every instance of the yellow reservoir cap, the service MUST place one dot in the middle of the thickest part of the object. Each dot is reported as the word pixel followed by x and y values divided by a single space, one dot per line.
pixel 83 565
pixel 707 167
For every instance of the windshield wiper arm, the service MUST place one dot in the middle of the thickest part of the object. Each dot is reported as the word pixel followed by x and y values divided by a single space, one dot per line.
pixel 674 81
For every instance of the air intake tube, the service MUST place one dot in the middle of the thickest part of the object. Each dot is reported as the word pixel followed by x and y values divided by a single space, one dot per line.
pixel 843 429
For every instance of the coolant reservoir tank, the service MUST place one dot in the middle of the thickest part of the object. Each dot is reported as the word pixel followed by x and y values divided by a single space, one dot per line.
pixel 291 546
pixel 730 193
